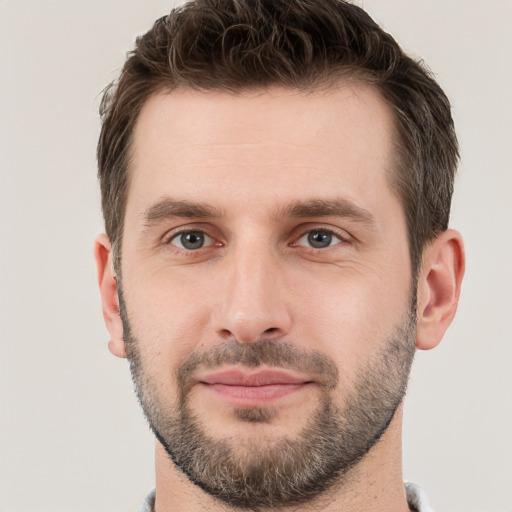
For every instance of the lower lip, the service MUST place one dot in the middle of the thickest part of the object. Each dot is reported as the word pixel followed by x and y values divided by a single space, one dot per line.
pixel 253 395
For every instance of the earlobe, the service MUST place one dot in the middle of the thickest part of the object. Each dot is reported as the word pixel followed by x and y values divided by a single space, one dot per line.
pixel 439 287
pixel 109 298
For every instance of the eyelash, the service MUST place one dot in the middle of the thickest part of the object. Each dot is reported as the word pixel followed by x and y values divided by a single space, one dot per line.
pixel 343 238
pixel 178 234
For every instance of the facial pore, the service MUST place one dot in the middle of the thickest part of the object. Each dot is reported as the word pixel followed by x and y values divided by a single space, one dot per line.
pixel 255 473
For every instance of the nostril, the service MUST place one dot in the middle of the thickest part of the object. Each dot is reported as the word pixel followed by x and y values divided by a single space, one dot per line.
pixel 270 330
pixel 225 333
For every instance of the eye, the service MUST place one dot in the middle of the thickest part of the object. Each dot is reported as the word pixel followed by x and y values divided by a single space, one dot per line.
pixel 191 240
pixel 319 239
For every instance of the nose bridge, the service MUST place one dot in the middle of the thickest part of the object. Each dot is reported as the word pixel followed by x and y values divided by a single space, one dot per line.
pixel 254 303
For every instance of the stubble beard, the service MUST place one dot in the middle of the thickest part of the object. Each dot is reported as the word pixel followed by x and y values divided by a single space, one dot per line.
pixel 256 474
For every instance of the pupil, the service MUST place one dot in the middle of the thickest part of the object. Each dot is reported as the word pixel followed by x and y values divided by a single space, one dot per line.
pixel 320 239
pixel 192 240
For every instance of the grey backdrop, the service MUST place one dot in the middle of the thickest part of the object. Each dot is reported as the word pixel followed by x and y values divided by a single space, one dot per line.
pixel 71 436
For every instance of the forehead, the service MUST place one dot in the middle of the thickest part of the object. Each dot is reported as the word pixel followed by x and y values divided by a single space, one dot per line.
pixel 276 143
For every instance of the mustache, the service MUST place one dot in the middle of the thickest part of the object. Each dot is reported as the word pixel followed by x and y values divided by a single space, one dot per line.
pixel 262 352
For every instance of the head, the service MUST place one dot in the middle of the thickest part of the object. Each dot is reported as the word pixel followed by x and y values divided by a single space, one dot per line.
pixel 276 180
pixel 304 45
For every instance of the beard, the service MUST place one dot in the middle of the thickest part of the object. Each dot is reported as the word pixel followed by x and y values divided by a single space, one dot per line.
pixel 258 473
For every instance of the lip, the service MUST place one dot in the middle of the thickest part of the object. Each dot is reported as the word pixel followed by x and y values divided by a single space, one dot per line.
pixel 242 388
pixel 236 377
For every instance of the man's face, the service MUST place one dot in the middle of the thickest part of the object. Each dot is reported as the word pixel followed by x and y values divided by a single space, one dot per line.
pixel 266 284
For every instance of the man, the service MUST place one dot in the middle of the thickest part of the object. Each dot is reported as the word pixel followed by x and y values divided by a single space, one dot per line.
pixel 276 181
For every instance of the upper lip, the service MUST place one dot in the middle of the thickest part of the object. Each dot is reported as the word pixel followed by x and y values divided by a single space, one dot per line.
pixel 238 377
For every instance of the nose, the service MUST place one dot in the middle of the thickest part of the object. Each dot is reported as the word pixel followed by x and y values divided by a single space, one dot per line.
pixel 253 293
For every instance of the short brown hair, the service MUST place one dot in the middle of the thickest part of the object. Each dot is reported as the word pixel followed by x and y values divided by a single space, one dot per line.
pixel 236 45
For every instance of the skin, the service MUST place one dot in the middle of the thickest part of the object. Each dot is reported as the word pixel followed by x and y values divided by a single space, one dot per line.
pixel 248 158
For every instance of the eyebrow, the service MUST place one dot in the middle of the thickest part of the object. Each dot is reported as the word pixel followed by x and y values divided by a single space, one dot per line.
pixel 169 208
pixel 338 207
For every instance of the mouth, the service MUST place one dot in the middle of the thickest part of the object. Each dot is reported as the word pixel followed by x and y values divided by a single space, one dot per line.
pixel 252 389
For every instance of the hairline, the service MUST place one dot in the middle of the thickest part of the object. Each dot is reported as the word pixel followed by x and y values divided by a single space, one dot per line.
pixel 399 157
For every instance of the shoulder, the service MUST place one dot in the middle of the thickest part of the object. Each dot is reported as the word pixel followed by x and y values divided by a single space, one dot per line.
pixel 417 498
pixel 149 502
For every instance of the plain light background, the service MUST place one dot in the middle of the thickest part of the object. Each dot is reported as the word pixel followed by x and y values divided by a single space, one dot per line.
pixel 72 438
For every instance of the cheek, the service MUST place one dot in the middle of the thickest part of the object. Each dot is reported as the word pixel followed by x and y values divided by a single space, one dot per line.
pixel 342 311
pixel 168 315
pixel 348 315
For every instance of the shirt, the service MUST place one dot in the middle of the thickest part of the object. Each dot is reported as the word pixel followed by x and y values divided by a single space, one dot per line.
pixel 416 498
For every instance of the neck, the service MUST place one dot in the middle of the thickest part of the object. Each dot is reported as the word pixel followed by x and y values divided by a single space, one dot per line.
pixel 376 483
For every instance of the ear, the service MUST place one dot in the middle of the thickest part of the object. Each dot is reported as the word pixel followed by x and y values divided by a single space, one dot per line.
pixel 109 298
pixel 439 283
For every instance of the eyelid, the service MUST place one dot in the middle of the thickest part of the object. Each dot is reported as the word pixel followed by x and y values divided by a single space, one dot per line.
pixel 209 241
pixel 301 231
pixel 339 233
pixel 171 234
pixel 185 228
